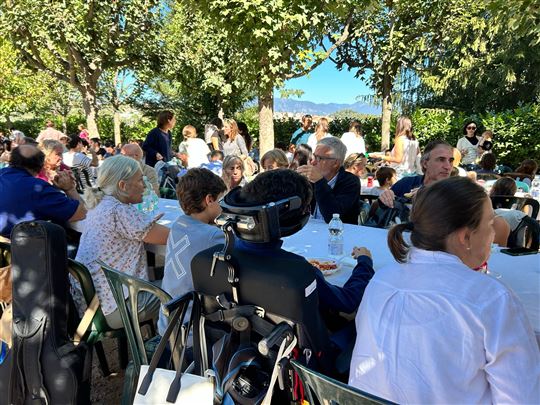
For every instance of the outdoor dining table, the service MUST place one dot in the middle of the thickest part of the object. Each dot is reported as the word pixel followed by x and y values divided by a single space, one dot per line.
pixel 520 273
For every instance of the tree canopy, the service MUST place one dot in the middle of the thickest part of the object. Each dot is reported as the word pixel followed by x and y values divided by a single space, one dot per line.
pixel 208 57
pixel 76 41
pixel 274 40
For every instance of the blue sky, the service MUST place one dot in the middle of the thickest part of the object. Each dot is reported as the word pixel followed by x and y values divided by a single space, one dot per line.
pixel 326 84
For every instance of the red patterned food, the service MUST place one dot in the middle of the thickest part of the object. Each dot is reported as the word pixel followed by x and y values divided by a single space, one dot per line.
pixel 323 265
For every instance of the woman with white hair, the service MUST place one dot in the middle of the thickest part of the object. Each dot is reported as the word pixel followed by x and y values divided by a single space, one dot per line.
pixel 115 233
pixel 53 151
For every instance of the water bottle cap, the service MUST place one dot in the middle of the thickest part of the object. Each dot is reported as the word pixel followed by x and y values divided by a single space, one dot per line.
pixel 335 216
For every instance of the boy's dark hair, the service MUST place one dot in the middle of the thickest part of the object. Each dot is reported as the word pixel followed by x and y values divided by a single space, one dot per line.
pixel 276 185
pixel 164 117
pixel 22 157
pixel 96 140
pixel 74 140
pixel 194 186
pixel 109 144
pixel 488 161
pixel 215 153
pixel 384 174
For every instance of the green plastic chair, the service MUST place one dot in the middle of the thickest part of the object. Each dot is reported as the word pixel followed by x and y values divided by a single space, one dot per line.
pixel 130 318
pixel 99 328
pixel 321 389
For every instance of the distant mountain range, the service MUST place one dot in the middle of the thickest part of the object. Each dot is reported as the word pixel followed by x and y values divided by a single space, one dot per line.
pixel 287 105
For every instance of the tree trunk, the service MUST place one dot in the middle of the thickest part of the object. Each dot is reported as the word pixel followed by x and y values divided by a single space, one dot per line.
pixel 90 110
pixel 117 121
pixel 266 121
pixel 386 112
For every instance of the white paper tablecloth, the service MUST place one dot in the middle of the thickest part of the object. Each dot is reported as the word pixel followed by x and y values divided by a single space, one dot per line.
pixel 520 273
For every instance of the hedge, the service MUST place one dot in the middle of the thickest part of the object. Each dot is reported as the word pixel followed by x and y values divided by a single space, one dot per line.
pixel 516 132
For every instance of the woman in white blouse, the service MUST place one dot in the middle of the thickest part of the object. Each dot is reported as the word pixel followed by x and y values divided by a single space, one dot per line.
pixel 469 145
pixel 321 131
pixel 115 233
pixel 354 140
pixel 432 329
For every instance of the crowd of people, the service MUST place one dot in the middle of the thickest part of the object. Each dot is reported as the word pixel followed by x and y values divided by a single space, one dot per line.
pixel 429 328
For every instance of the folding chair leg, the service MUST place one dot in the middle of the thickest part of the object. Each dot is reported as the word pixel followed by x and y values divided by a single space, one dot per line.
pixel 102 358
pixel 123 351
pixel 130 384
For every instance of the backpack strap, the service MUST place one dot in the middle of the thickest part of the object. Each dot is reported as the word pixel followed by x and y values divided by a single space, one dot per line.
pixel 285 350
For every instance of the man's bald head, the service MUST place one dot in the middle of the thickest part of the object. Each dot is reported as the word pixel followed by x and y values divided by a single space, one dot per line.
pixel 27 157
pixel 133 151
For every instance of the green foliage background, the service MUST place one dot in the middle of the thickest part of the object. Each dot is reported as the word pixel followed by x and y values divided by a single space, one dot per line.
pixel 517 131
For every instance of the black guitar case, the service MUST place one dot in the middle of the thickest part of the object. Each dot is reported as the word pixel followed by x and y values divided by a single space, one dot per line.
pixel 45 366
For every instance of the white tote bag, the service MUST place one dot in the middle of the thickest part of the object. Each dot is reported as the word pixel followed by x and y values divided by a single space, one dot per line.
pixel 195 390
pixel 158 386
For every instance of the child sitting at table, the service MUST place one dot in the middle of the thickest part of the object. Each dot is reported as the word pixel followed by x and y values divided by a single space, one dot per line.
pixel 199 192
pixel 387 177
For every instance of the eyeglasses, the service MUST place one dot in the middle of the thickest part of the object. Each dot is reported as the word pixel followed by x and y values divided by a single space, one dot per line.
pixel 471 127
pixel 318 158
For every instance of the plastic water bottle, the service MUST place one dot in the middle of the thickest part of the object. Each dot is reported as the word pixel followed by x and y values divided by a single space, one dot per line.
pixel 150 198
pixel 335 237
pixel 535 188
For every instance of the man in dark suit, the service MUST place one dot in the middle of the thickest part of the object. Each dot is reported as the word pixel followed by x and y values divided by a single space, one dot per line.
pixel 336 191
pixel 158 142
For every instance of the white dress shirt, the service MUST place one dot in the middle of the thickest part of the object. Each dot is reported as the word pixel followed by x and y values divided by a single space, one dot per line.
pixel 434 331
pixel 354 143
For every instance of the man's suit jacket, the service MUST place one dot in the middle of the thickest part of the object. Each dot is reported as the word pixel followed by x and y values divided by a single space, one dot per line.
pixel 343 199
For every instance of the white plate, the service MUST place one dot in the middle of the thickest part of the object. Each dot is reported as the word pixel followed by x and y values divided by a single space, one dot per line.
pixel 325 260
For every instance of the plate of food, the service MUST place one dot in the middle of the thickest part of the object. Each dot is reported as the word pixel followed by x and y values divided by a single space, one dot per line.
pixel 326 266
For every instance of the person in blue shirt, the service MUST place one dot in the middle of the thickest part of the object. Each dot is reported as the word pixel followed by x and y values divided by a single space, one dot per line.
pixel 302 134
pixel 437 162
pixel 23 197
pixel 199 192
pixel 215 165
pixel 279 184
